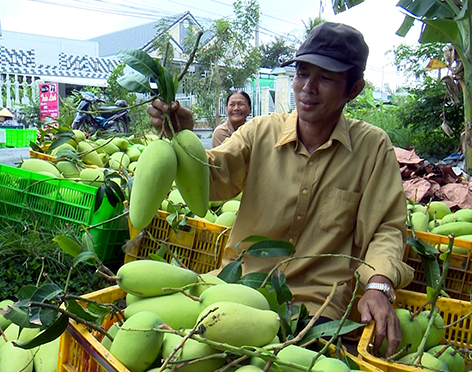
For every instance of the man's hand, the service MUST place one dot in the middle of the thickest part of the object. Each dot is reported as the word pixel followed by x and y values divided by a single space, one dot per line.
pixel 374 305
pixel 181 118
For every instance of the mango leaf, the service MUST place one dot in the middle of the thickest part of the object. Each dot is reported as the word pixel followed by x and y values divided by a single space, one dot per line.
pixel 232 272
pixel 25 292
pixel 68 245
pixel 136 82
pixel 140 61
pixel 253 280
pixel 271 248
pixel 87 242
pixel 431 269
pixel 41 316
pixel 279 282
pixel 86 257
pixel 328 329
pixel 421 247
pixel 18 314
pixel 75 308
pixel 49 334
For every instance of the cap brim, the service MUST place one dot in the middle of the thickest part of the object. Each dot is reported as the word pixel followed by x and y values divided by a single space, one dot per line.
pixel 324 62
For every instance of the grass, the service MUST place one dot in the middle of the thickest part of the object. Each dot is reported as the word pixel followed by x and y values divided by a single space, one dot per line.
pixel 31 257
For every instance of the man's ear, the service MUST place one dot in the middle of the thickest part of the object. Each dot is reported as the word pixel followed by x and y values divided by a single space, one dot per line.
pixel 356 89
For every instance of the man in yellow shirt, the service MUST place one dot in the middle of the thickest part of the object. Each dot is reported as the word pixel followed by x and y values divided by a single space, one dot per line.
pixel 323 182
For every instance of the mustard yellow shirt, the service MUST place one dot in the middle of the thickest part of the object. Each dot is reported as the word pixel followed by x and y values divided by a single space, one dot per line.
pixel 347 197
pixel 221 132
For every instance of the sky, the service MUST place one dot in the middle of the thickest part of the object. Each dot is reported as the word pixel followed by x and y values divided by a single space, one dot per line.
pixel 378 20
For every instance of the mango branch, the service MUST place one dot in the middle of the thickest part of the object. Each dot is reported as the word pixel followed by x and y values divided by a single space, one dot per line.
pixel 71 316
pixel 287 260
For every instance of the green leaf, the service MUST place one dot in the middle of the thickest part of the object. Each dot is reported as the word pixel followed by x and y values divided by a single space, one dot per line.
pixel 427 8
pixel 406 26
pixel 253 280
pixel 86 257
pixel 68 245
pixel 26 292
pixel 328 329
pixel 431 269
pixel 136 82
pixel 421 247
pixel 87 242
pixel 75 308
pixel 18 314
pixel 140 61
pixel 271 248
pixel 49 334
pixel 44 294
pixel 279 283
pixel 232 272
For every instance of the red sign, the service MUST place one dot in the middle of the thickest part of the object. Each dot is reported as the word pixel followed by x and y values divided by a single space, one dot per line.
pixel 48 101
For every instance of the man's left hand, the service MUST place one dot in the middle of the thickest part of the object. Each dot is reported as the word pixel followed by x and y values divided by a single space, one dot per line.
pixel 374 305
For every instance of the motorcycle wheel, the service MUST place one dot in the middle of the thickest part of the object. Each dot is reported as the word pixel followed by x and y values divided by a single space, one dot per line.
pixel 119 126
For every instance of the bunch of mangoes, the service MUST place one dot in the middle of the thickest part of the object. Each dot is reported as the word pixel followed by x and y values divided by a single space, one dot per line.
pixel 165 303
pixel 15 359
pixel 436 356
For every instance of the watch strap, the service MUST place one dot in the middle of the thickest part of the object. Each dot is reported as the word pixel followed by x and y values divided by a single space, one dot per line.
pixel 383 287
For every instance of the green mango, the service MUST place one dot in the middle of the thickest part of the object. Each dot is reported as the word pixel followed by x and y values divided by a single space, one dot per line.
pixel 113 330
pixel 15 359
pixel 330 365
pixel 438 209
pixel 420 221
pixel 454 360
pixel 458 228
pixel 191 349
pixel 176 309
pixel 149 278
pixel 298 355
pixel 238 324
pixel 45 356
pixel 465 213
pixel 234 292
pixel 121 143
pixel 4 323
pixel 193 174
pixel 211 281
pixel 88 154
pixel 136 345
pixel 427 361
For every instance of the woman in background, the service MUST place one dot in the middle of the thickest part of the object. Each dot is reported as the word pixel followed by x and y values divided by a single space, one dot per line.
pixel 238 107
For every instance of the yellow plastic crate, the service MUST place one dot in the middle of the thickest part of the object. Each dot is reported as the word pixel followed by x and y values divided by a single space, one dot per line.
pixel 81 351
pixel 458 282
pixel 450 309
pixel 199 245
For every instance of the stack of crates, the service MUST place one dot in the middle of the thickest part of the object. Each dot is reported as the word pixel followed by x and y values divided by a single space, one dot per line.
pixel 20 137
pixel 458 283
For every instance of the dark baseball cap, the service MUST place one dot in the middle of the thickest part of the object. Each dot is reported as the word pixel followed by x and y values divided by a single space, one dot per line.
pixel 334 47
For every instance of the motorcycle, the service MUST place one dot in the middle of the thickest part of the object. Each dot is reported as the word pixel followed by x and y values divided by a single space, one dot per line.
pixel 110 118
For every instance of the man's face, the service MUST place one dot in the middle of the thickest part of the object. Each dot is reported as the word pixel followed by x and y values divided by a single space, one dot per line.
pixel 320 95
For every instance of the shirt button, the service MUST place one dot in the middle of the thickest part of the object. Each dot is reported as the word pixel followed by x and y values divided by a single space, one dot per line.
pixel 299 218
pixel 305 191
pixel 310 163
pixel 290 240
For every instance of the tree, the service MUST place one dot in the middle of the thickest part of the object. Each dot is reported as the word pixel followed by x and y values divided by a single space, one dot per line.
pixel 226 61
pixel 446 21
pixel 277 51
pixel 312 23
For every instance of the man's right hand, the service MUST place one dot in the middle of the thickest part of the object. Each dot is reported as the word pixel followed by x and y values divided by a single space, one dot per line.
pixel 181 117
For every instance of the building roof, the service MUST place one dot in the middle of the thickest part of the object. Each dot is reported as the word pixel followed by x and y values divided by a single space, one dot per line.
pixel 137 37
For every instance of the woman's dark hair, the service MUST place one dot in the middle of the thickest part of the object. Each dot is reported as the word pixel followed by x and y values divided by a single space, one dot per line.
pixel 243 93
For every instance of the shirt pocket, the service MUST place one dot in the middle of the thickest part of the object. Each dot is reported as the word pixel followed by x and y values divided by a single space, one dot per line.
pixel 339 210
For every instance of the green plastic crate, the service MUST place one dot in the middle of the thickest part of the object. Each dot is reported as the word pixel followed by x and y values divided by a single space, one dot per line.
pixel 20 137
pixel 28 198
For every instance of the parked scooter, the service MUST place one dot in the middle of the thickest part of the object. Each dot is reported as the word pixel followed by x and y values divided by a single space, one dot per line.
pixel 109 118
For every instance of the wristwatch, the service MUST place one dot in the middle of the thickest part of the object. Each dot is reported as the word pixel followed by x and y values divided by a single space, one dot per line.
pixel 385 288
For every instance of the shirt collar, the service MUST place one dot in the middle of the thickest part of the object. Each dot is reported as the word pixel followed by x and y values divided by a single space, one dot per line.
pixel 289 132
